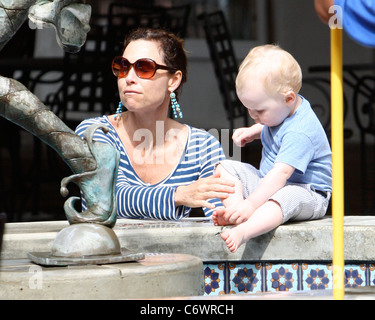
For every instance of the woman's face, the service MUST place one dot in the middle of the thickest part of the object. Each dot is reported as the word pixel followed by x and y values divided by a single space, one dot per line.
pixel 145 95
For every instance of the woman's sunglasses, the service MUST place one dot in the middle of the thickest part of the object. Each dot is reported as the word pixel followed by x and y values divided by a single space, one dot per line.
pixel 144 68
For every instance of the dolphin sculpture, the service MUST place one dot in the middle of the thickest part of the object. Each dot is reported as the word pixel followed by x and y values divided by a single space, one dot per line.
pixel 94 164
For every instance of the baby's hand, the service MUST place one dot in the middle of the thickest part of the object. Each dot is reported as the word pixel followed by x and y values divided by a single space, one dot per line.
pixel 242 136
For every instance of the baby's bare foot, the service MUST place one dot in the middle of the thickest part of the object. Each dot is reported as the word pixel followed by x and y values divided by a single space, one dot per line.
pixel 233 238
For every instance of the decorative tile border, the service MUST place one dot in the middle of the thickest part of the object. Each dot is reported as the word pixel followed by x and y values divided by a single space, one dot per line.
pixel 214 278
pixel 245 278
pixel 316 276
pixel 252 277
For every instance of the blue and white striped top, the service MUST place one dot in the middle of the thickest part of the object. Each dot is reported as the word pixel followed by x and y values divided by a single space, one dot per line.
pixel 137 199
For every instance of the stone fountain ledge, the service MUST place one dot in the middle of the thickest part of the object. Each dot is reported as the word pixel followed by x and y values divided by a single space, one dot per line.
pixel 175 255
pixel 155 276
pixel 302 241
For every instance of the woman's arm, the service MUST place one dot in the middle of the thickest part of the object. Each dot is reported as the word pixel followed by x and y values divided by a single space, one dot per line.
pixel 143 202
pixel 322 8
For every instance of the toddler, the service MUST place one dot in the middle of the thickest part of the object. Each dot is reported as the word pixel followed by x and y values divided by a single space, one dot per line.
pixel 294 180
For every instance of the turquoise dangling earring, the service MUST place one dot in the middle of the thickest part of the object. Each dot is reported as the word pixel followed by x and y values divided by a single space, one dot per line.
pixel 119 111
pixel 175 106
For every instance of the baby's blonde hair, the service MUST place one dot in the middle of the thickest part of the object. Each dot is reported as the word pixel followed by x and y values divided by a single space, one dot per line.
pixel 273 65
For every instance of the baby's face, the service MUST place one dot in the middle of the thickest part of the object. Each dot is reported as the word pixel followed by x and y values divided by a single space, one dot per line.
pixel 264 109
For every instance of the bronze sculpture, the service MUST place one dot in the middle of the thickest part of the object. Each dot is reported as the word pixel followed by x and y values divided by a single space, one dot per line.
pixel 94 164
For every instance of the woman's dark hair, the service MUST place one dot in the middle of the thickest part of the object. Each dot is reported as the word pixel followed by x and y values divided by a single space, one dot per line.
pixel 171 45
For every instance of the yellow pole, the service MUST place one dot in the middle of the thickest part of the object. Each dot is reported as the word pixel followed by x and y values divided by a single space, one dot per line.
pixel 337 127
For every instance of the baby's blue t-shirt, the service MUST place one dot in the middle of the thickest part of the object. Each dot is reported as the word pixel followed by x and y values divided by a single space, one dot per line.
pixel 301 142
pixel 359 20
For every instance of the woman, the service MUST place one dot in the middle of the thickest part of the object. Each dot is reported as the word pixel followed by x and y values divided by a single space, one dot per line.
pixel 166 167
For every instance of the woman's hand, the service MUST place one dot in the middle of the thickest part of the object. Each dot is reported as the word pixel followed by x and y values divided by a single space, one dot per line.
pixel 196 194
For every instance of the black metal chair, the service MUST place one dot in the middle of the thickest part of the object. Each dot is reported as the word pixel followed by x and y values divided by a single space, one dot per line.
pixel 225 64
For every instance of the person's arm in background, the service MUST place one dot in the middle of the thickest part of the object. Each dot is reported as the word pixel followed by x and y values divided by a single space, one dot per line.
pixel 358 18
pixel 322 8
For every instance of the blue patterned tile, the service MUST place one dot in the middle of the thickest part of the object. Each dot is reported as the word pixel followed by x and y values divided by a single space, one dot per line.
pixel 355 276
pixel 371 275
pixel 316 276
pixel 281 277
pixel 245 278
pixel 214 275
